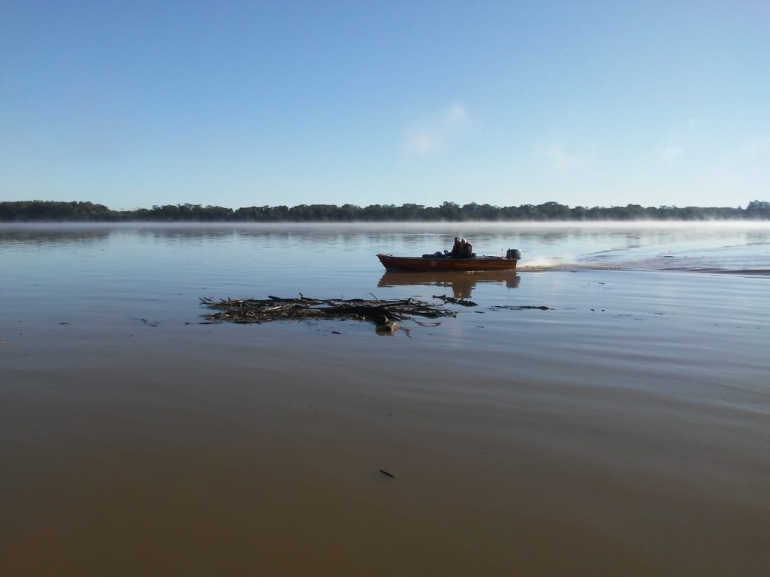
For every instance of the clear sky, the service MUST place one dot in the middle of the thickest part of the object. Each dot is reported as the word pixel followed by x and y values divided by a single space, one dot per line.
pixel 595 103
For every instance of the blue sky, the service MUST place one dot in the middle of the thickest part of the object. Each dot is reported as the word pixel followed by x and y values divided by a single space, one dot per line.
pixel 600 103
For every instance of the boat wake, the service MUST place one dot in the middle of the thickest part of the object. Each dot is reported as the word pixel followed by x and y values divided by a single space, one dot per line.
pixel 750 259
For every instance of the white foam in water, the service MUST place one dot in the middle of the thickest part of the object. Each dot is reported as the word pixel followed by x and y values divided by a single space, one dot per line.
pixel 546 263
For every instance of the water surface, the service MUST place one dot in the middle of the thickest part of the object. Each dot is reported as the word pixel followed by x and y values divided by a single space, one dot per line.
pixel 626 430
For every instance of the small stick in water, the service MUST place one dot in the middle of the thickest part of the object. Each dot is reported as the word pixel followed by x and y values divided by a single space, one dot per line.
pixel 384 472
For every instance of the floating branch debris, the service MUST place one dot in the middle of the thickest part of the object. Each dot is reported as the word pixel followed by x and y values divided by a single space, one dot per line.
pixel 454 301
pixel 520 308
pixel 384 313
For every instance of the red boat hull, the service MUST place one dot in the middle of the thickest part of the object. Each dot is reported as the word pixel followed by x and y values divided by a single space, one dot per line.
pixel 432 264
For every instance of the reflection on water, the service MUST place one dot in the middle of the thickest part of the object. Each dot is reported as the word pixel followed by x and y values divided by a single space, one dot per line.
pixel 461 283
pixel 36 235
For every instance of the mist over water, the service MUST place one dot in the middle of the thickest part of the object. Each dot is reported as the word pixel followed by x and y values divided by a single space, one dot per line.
pixel 710 246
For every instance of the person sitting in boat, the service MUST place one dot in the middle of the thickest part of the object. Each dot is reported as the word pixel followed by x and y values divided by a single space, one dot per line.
pixel 466 249
pixel 456 249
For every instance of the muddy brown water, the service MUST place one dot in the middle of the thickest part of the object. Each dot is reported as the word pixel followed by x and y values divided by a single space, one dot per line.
pixel 625 431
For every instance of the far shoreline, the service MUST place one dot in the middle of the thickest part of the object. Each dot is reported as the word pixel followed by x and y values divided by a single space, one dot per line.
pixel 412 225
pixel 76 211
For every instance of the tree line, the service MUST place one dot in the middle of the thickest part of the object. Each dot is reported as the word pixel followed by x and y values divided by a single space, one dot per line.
pixel 46 211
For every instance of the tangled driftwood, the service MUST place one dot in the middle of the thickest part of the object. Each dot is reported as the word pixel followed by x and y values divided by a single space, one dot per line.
pixel 520 308
pixel 384 313
pixel 454 301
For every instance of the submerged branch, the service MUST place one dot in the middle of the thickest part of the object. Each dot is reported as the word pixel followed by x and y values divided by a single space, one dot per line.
pixel 454 301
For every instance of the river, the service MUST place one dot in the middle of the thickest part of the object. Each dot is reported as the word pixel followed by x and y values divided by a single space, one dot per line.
pixel 625 430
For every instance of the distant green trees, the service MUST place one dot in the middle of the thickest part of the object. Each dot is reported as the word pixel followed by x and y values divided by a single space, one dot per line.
pixel 36 210
pixel 758 209
pixel 39 210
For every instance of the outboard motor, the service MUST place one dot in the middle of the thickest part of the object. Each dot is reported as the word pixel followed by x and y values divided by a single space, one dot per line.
pixel 513 254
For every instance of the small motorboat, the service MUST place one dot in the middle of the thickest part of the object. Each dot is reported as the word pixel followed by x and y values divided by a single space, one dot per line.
pixel 438 262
